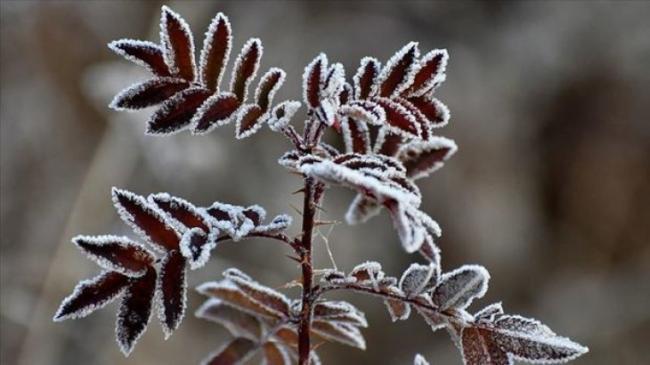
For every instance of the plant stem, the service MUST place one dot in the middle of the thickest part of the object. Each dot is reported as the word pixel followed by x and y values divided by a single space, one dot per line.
pixel 304 327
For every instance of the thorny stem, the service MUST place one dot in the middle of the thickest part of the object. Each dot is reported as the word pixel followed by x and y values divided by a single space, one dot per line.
pixel 304 327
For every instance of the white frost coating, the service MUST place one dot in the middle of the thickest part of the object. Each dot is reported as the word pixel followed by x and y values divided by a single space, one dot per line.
pixel 139 87
pixel 209 310
pixel 459 287
pixel 238 63
pixel 362 129
pixel 126 348
pixel 414 150
pixel 256 209
pixel 170 56
pixel 356 79
pixel 432 253
pixel 340 311
pixel 232 211
pixel 204 255
pixel 392 63
pixel 274 89
pixel 367 111
pixel 372 269
pixel 388 104
pixel 159 298
pixel 85 311
pixel 288 109
pixel 489 313
pixel 234 272
pixel 420 360
pixel 176 202
pixel 428 223
pixel 438 78
pixel 334 81
pixel 410 230
pixel 148 208
pixel 415 279
pixel 398 309
pixel 276 302
pixel 289 160
pixel 220 18
pixel 205 107
pixel 259 122
pixel 382 190
pixel 279 223
pixel 342 333
pixel 106 263
pixel 361 210
pixel 152 48
pixel 326 112
pixel 322 59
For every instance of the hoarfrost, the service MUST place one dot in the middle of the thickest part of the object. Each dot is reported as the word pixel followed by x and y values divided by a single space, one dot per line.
pixel 119 254
pixel 216 51
pixel 458 288
pixel 245 68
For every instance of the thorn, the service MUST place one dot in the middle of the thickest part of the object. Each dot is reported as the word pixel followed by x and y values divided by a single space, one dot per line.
pixel 294 258
pixel 325 223
pixel 321 208
pixel 296 209
pixel 301 190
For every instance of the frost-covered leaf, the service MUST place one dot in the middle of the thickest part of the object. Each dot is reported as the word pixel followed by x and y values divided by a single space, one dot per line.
pixel 135 310
pixel 255 213
pixel 409 228
pixel 278 224
pixel 421 158
pixel 340 311
pixel 339 332
pixel 436 112
pixel 245 68
pixel 238 351
pixel 216 111
pixel 420 360
pixel 176 113
pixel 399 119
pixel 240 296
pixel 268 86
pixel 333 81
pixel 275 354
pixel 143 53
pixel 479 349
pixel 289 160
pixel 145 219
pixel 176 38
pixel 148 93
pixel 397 308
pixel 489 313
pixel 356 136
pixel 415 279
pixel 313 78
pixel 216 51
pixel 458 288
pixel 118 254
pixel 361 210
pixel 281 115
pixel 366 77
pixel 238 323
pixel 367 272
pixel 430 72
pixel 433 318
pixel 249 121
pixel 196 245
pixel 186 214
pixel 364 111
pixel 387 142
pixel 431 252
pixel 399 71
pixel 271 299
pixel 172 286
pixel 91 295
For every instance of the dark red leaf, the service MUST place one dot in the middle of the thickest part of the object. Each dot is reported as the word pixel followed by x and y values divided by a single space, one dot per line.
pixel 145 220
pixel 396 75
pixel 176 113
pixel 312 79
pixel 480 349
pixel 90 295
pixel 355 136
pixel 269 85
pixel 366 77
pixel 196 245
pixel 178 43
pixel 435 111
pixel 423 157
pixel 238 323
pixel 432 68
pixel 275 354
pixel 116 254
pixel 148 93
pixel 215 112
pixel 245 68
pixel 171 288
pixel 143 53
pixel 236 352
pixel 181 210
pixel 135 310
pixel 216 51
pixel 389 143
pixel 248 121
pixel 399 119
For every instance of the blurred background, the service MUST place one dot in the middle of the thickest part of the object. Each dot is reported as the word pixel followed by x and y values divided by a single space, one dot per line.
pixel 550 189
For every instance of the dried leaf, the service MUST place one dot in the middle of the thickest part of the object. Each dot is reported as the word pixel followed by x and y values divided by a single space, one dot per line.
pixel 91 295
pixel 196 245
pixel 458 288
pixel 119 254
pixel 275 354
pixel 216 111
pixel 235 297
pixel 436 112
pixel 238 323
pixel 366 77
pixel 216 51
pixel 339 332
pixel 361 210
pixel 368 271
pixel 489 313
pixel 176 113
pixel 143 53
pixel 415 279
pixel 399 71
pixel 313 78
pixel 177 41
pixel 172 286
pixel 430 72
pixel 238 351
pixel 249 121
pixel 245 68
pixel 421 158
pixel 268 86
pixel 355 136
pixel 340 311
pixel 399 119
pixel 186 214
pixel 398 309
pixel 148 93
pixel 135 310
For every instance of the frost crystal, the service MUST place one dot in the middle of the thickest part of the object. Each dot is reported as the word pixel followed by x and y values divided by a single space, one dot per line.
pixel 458 288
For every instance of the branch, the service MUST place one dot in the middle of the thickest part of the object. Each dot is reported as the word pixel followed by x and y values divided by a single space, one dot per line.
pixel 281 237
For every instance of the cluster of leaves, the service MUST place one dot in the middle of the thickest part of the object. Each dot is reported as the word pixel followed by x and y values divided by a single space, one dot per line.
pixel 386 117
pixel 263 320
pixel 487 337
pixel 190 97
pixel 181 234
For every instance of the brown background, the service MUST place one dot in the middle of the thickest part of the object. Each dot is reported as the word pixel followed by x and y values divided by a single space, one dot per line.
pixel 550 189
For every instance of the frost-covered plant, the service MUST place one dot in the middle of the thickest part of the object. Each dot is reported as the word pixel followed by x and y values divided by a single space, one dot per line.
pixel 386 117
